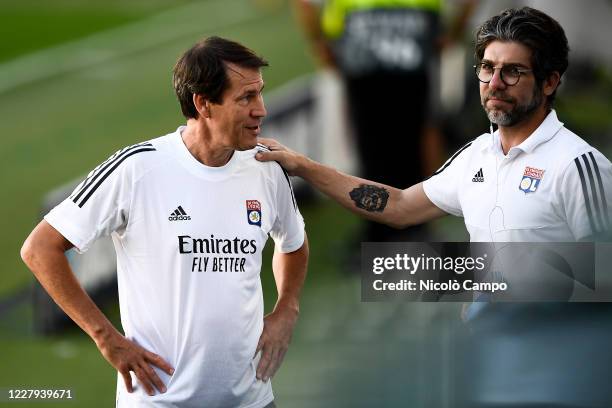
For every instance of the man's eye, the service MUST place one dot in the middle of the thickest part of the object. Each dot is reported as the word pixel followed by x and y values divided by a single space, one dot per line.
pixel 511 72
pixel 486 67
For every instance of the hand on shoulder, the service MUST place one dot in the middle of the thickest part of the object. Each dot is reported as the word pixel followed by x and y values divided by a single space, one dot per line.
pixel 291 161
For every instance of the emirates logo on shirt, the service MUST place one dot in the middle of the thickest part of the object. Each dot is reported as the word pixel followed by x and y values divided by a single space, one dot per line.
pixel 214 254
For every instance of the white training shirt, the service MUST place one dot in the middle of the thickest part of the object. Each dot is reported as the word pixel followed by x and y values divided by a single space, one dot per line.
pixel 189 240
pixel 552 187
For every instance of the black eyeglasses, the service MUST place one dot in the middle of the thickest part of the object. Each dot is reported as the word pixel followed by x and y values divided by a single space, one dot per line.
pixel 510 74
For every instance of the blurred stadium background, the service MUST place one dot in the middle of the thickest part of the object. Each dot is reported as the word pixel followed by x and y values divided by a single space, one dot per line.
pixel 79 80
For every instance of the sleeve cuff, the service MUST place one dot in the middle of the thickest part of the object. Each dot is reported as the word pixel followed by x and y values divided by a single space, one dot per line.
pixel 292 245
pixel 438 203
pixel 68 231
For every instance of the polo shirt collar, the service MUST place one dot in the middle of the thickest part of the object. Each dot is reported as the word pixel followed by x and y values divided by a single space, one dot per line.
pixel 546 131
pixel 542 134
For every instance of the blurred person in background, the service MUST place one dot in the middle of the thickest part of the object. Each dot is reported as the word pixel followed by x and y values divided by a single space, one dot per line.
pixel 387 54
pixel 531 180
pixel 189 214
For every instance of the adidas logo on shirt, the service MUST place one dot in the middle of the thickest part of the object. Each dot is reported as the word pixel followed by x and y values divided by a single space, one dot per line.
pixel 478 177
pixel 179 215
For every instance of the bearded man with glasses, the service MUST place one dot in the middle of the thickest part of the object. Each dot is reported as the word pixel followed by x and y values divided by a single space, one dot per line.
pixel 531 180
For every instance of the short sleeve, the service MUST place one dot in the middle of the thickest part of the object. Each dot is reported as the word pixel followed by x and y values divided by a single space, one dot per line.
pixel 100 204
pixel 442 188
pixel 288 228
pixel 586 195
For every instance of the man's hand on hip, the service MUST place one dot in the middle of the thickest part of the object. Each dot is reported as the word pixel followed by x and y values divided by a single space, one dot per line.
pixel 274 341
pixel 127 356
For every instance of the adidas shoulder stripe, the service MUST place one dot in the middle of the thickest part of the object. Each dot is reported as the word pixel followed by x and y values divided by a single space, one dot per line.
pixel 453 157
pixel 97 176
pixel 593 192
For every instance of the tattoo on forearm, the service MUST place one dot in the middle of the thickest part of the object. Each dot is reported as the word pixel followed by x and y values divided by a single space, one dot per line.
pixel 370 198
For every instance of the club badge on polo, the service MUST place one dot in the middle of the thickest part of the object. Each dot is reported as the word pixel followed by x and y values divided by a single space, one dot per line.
pixel 531 179
pixel 253 212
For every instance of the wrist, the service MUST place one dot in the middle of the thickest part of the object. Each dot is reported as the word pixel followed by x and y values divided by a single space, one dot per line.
pixel 103 335
pixel 290 308
pixel 303 166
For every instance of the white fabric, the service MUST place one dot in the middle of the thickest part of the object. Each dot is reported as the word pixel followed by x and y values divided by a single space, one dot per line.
pixel 495 209
pixel 206 323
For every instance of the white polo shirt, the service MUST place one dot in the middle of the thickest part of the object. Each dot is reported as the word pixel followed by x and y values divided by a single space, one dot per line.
pixel 189 240
pixel 552 187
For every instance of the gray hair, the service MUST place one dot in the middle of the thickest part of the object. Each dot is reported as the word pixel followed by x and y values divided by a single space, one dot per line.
pixel 539 32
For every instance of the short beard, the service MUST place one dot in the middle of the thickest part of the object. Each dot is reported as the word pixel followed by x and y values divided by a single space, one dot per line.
pixel 516 115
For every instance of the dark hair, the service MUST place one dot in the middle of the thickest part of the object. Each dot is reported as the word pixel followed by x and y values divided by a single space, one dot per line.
pixel 201 70
pixel 542 34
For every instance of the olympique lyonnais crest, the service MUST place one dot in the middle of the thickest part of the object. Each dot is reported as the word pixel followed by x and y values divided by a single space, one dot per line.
pixel 531 179
pixel 253 212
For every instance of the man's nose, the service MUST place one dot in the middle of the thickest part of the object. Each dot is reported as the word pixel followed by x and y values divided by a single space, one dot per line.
pixel 259 111
pixel 496 80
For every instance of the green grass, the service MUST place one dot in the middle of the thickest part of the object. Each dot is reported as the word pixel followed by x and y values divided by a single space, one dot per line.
pixel 32 25
pixel 60 363
pixel 59 128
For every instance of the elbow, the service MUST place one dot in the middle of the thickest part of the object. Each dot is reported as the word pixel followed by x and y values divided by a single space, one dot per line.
pixel 31 249
pixel 398 224
pixel 400 220
pixel 27 251
pixel 43 245
pixel 394 225
pixel 402 223
pixel 26 254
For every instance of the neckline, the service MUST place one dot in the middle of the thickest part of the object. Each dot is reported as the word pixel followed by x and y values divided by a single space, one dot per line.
pixel 198 168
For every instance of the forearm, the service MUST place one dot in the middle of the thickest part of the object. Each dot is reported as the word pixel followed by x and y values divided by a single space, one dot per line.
pixel 289 273
pixel 375 201
pixel 50 266
pixel 44 253
pixel 308 17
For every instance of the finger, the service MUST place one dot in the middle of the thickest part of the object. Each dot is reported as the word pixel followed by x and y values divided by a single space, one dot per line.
pixel 279 361
pixel 268 156
pixel 159 362
pixel 271 369
pixel 153 377
pixel 127 379
pixel 262 367
pixel 144 380
pixel 260 345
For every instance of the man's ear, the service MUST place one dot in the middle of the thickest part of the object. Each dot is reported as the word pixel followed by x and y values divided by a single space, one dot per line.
pixel 202 105
pixel 551 83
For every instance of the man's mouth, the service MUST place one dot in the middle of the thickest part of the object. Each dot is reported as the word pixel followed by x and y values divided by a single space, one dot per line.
pixel 256 128
pixel 493 98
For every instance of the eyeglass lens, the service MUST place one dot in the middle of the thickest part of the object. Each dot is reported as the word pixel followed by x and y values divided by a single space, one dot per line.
pixel 510 75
